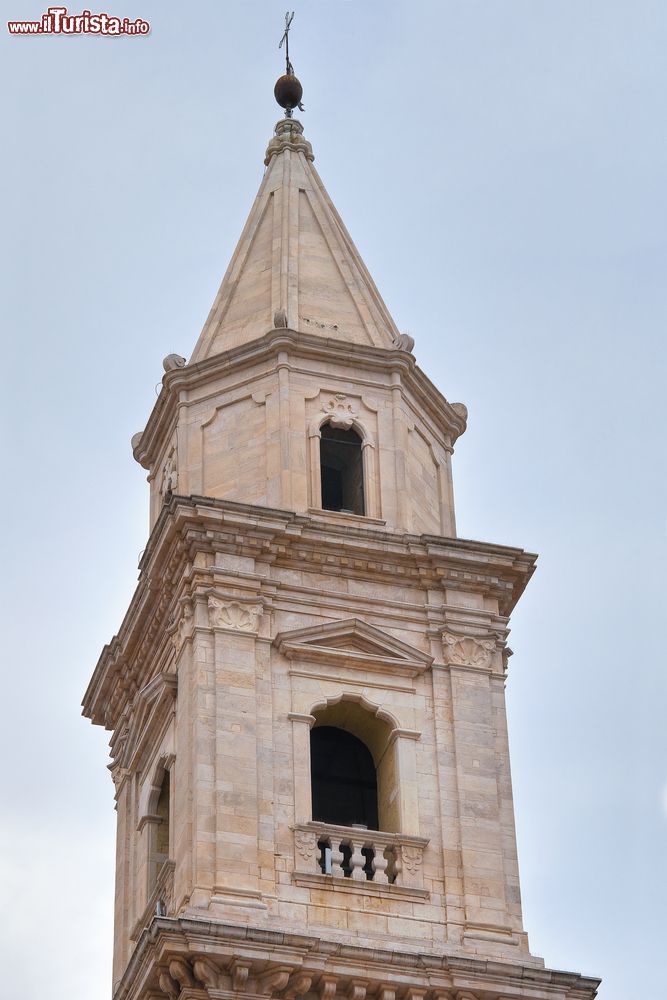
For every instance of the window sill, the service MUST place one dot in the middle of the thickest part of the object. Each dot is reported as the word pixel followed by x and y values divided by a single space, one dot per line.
pixel 367 888
pixel 341 517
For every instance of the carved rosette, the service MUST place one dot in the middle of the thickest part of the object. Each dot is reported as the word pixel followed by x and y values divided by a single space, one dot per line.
pixel 234 615
pixel 468 650
pixel 340 412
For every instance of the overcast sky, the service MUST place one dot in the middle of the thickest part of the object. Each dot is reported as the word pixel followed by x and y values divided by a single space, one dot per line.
pixel 501 167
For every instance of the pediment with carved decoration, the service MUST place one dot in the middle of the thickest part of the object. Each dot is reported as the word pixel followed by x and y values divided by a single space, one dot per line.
pixel 353 642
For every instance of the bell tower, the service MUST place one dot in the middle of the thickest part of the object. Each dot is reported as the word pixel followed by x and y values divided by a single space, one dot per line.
pixel 306 695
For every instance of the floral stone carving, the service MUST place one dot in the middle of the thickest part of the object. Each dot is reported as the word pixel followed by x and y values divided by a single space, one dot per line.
pixel 340 413
pixel 234 615
pixel 306 845
pixel 467 651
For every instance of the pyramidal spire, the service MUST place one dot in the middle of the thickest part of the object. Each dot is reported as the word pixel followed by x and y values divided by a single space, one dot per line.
pixel 295 265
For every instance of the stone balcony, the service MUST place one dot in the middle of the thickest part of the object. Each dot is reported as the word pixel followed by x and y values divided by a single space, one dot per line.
pixel 357 858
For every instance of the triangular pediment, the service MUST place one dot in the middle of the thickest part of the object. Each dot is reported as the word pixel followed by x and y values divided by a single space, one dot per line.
pixel 352 641
pixel 152 707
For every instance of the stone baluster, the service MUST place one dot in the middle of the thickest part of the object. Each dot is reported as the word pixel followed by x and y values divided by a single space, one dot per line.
pixel 337 859
pixel 380 866
pixel 357 861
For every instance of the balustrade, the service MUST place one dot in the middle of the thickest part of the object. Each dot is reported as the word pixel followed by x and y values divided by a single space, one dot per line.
pixel 359 854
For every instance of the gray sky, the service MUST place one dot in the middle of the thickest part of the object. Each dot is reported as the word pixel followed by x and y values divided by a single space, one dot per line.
pixel 501 167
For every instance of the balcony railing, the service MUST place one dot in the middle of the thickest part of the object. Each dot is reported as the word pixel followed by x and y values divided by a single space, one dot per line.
pixel 351 852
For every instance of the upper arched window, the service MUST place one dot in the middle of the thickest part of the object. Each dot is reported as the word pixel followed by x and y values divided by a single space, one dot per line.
pixel 343 778
pixel 341 470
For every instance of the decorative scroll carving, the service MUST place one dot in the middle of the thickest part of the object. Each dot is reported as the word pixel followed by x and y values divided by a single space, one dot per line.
pixel 173 361
pixel 274 981
pixel 404 342
pixel 306 845
pixel 328 987
pixel 467 651
pixel 411 857
pixel 299 984
pixel 234 615
pixel 239 972
pixel 169 986
pixel 169 477
pixel 206 972
pixel 182 627
pixel 180 971
pixel 357 989
pixel 340 413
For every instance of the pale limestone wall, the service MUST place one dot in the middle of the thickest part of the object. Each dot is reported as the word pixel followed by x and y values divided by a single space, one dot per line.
pixel 241 769
pixel 253 436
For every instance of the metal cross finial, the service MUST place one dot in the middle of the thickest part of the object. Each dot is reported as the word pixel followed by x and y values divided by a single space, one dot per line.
pixel 288 20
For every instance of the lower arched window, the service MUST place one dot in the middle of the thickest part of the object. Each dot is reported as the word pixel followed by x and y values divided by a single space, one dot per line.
pixel 343 778
pixel 158 847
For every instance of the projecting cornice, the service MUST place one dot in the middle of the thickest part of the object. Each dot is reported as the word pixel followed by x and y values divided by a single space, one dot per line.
pixel 189 526
pixel 284 348
pixel 207 956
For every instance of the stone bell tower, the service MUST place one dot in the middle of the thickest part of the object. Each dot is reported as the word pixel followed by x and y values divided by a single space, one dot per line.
pixel 306 695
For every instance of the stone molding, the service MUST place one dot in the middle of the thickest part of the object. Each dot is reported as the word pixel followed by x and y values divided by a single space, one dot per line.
pixel 353 642
pixel 288 135
pixel 189 958
pixel 293 346
pixel 188 525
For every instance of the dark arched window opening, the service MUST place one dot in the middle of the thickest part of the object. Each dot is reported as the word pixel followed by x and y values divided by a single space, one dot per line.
pixel 341 470
pixel 344 783
pixel 159 838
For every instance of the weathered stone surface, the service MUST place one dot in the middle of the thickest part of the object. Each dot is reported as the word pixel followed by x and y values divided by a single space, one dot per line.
pixel 259 615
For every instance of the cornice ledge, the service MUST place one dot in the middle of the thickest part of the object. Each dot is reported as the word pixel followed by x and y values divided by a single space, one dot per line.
pixel 454 415
pixel 459 563
pixel 427 971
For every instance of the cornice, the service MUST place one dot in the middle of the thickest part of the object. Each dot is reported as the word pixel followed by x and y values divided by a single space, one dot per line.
pixel 279 956
pixel 191 525
pixel 284 345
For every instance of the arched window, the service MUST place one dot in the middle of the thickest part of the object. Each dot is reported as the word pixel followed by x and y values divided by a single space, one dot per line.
pixel 158 850
pixel 343 778
pixel 341 470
